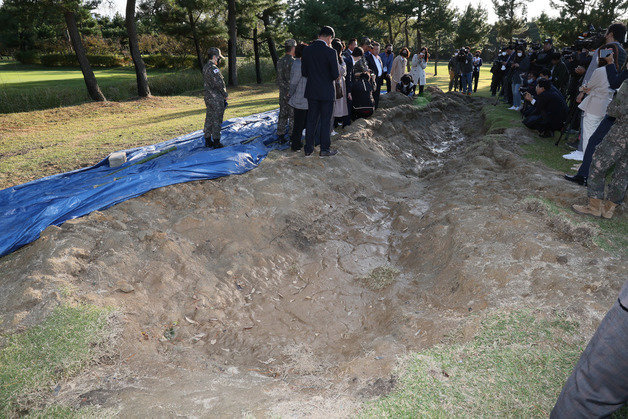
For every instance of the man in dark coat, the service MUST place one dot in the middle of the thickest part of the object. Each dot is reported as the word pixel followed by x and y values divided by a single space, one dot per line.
pixel 550 109
pixel 560 73
pixel 320 65
pixel 349 78
pixel 598 385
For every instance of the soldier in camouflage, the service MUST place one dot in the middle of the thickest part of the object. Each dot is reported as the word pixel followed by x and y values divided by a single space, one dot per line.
pixel 613 151
pixel 284 66
pixel 215 98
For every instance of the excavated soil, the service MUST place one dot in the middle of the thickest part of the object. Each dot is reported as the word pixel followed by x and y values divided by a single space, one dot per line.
pixel 293 289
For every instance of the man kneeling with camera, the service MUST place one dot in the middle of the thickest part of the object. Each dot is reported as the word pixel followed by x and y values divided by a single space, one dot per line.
pixel 550 109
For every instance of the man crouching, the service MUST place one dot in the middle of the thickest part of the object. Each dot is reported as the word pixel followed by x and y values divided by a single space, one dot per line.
pixel 215 98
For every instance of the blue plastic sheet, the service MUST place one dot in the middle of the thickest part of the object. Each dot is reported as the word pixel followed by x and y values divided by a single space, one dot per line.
pixel 27 210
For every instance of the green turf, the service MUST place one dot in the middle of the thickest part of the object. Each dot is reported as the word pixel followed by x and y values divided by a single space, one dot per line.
pixel 514 367
pixel 34 361
pixel 40 143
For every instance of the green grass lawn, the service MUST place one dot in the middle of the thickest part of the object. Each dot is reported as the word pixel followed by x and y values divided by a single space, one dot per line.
pixel 14 75
pixel 42 143
pixel 33 87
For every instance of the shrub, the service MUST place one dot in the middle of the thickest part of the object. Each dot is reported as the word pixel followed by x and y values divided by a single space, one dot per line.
pixel 95 60
pixel 165 61
pixel 28 57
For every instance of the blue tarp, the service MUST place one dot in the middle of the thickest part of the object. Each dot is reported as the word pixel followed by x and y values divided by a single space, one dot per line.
pixel 27 210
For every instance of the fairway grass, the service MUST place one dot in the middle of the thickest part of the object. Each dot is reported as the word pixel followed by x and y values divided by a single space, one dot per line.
pixel 514 367
pixel 41 143
pixel 35 361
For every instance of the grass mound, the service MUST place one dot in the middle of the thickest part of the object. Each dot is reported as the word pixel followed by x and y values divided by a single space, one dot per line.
pixel 514 367
pixel 34 361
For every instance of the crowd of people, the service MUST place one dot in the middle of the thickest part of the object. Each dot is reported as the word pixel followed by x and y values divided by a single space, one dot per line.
pixel 327 83
pixel 323 85
pixel 574 92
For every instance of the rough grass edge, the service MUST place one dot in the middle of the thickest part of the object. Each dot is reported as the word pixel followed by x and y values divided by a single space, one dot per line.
pixel 428 385
pixel 34 361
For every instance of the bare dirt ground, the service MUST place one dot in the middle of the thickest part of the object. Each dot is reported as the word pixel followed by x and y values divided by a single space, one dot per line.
pixel 293 289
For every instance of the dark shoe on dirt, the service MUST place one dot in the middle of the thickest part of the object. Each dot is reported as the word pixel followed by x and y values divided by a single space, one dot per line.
pixel 580 180
pixel 308 153
pixel 328 153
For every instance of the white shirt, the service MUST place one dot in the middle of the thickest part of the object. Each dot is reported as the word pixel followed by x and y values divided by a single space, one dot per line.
pixel 378 64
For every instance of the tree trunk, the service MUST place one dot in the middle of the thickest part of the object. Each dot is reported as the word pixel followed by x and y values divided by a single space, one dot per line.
pixel 233 34
pixel 258 73
pixel 391 39
pixel 90 79
pixel 405 31
pixel 140 68
pixel 269 39
pixel 197 46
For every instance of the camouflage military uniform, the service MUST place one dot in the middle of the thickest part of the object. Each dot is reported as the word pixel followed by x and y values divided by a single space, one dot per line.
pixel 612 151
pixel 215 97
pixel 286 113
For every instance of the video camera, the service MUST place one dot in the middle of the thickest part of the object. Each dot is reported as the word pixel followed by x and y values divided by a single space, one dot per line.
pixel 591 39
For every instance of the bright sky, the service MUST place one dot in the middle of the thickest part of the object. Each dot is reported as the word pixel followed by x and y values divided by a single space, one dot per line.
pixel 535 7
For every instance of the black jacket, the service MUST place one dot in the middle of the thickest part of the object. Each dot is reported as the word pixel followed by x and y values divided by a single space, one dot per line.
pixel 349 77
pixel 320 65
pixel 370 60
pixel 552 106
pixel 560 77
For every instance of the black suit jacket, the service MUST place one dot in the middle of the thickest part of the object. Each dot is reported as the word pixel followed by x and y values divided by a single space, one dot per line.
pixel 349 78
pixel 320 65
pixel 552 106
pixel 370 60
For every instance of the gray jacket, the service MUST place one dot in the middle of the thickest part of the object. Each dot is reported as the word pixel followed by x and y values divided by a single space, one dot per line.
pixel 297 86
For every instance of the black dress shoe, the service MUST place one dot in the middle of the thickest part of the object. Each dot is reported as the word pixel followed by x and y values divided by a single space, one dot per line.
pixel 308 153
pixel 328 153
pixel 580 180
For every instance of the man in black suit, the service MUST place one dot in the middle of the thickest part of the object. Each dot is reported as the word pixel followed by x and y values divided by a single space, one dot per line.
pixel 550 109
pixel 349 78
pixel 320 65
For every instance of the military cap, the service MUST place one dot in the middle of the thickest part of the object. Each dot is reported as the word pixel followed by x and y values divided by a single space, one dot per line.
pixel 214 52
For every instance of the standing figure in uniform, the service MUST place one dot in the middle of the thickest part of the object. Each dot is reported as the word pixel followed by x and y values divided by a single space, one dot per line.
pixel 284 66
pixel 215 98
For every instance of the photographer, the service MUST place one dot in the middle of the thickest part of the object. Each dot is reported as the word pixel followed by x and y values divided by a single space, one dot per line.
pixel 550 109
pixel 497 69
pixel 544 57
pixel 477 63
pixel 559 74
pixel 454 72
pixel 466 70
pixel 519 65
pixel 615 35
pixel 507 80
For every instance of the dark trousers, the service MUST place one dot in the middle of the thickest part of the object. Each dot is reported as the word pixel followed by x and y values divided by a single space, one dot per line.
pixel 476 78
pixel 378 87
pixel 496 83
pixel 300 120
pixel 542 123
pixel 598 385
pixel 388 82
pixel 596 138
pixel 319 114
